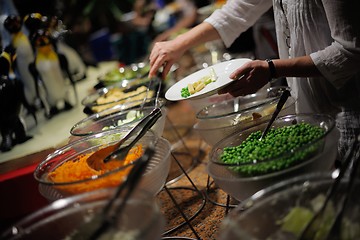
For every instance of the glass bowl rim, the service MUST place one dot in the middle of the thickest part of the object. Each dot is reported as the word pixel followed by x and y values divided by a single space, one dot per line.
pixel 102 91
pixel 49 157
pixel 261 120
pixel 246 109
pixel 139 65
pixel 95 116
pixel 280 187
pixel 57 206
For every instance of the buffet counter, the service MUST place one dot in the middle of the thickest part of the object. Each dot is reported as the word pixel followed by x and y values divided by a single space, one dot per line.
pixel 21 190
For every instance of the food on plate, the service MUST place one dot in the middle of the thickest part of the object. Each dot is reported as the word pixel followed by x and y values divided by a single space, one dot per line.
pixel 117 96
pixel 281 148
pixel 199 85
pixel 76 170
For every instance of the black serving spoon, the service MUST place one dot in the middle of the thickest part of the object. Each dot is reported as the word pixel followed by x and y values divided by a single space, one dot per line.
pixel 284 96
pixel 103 221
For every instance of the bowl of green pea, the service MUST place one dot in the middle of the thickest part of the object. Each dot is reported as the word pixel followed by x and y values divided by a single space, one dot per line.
pixel 242 164
pixel 218 120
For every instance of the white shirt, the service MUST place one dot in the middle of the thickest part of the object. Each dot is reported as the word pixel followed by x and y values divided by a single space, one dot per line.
pixel 317 28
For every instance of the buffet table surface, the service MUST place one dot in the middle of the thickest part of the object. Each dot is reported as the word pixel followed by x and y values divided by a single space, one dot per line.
pixel 191 191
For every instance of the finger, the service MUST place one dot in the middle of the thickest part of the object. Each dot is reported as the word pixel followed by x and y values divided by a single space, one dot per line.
pixel 155 67
pixel 236 84
pixel 246 68
pixel 154 53
pixel 236 74
pixel 167 67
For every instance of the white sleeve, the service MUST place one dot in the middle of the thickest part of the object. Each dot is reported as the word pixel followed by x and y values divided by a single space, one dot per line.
pixel 340 61
pixel 236 16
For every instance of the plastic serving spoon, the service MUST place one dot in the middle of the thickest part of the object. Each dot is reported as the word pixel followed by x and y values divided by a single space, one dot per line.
pixel 284 96
pixel 97 159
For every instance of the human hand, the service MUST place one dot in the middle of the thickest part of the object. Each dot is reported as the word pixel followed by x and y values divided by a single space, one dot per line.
pixel 164 54
pixel 248 78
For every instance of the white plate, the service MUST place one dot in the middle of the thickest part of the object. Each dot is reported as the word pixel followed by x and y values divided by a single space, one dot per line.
pixel 222 70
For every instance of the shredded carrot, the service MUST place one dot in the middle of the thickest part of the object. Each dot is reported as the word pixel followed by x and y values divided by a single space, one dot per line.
pixel 78 169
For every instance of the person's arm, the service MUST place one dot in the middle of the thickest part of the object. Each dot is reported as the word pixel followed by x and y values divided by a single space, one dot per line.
pixel 252 76
pixel 340 61
pixel 167 53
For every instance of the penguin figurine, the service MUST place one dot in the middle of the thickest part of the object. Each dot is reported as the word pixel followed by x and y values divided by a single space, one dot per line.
pixel 72 61
pixel 25 56
pixel 11 99
pixel 33 22
pixel 46 67
pixel 36 22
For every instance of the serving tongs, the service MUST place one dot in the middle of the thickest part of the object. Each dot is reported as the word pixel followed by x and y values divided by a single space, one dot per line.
pixel 157 78
pixel 284 96
pixel 113 209
pixel 115 151
pixel 333 196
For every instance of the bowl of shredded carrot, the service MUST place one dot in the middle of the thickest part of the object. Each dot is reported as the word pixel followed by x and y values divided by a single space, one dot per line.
pixel 65 172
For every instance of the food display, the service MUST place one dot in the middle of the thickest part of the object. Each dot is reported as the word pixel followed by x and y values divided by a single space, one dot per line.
pixel 131 116
pixel 119 120
pixel 77 217
pixel 65 172
pixel 118 96
pixel 240 164
pixel 276 143
pixel 131 72
pixel 77 169
pixel 219 120
pixel 282 211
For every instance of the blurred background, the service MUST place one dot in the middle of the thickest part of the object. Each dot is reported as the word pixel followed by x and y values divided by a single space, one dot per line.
pixel 124 30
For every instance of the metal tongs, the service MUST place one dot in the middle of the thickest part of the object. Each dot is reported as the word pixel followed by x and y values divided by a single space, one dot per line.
pixel 153 79
pixel 116 150
pixel 334 196
pixel 113 210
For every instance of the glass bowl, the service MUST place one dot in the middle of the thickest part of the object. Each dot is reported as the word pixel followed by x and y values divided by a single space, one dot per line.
pixel 242 180
pixel 126 75
pixel 110 96
pixel 149 102
pixel 141 218
pixel 115 118
pixel 219 120
pixel 65 171
pixel 281 211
